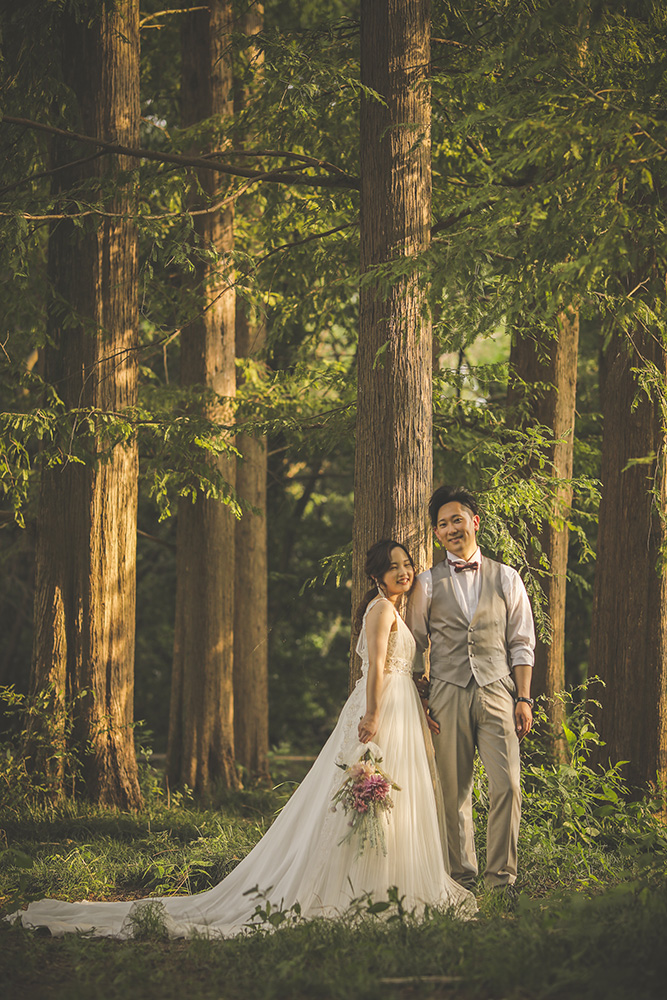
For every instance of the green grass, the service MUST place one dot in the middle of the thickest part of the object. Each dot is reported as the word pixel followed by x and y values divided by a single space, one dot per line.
pixel 608 947
pixel 78 851
pixel 589 919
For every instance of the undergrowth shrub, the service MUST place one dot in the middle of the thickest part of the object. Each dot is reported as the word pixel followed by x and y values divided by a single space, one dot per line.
pixel 36 759
pixel 580 816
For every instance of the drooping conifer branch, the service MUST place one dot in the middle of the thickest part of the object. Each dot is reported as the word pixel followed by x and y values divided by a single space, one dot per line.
pixel 279 175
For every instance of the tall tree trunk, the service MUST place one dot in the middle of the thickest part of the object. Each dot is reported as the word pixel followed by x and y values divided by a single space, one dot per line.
pixel 629 626
pixel 251 662
pixel 201 722
pixel 554 365
pixel 394 456
pixel 251 681
pixel 87 523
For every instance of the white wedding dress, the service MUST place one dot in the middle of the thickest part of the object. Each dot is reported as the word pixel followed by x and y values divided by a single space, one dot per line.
pixel 300 858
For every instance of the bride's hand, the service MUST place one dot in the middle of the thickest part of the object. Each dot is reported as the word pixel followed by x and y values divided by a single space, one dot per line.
pixel 368 727
pixel 432 724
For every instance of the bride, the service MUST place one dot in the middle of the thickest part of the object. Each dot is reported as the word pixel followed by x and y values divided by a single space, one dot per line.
pixel 308 855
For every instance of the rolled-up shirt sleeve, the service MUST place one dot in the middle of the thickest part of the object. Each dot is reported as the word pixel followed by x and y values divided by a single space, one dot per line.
pixel 416 618
pixel 520 625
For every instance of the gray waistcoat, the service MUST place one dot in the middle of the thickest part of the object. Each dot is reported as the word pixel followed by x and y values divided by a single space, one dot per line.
pixel 459 649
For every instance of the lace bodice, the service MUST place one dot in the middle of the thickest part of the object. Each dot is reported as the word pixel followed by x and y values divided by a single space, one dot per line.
pixel 401 646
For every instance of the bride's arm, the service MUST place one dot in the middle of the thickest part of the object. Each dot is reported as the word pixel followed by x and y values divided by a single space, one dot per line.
pixel 378 626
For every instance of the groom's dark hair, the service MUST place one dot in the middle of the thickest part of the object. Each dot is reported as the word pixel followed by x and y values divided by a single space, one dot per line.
pixel 450 494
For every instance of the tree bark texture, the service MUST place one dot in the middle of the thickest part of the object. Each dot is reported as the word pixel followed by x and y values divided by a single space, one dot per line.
pixel 87 523
pixel 629 623
pixel 393 458
pixel 201 724
pixel 251 664
pixel 554 365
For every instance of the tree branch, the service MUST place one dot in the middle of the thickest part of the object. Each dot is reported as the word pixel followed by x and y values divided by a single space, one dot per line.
pixel 201 162
pixel 455 217
pixel 158 541
pixel 311 161
pixel 49 173
pixel 143 23
pixel 306 239
pixel 448 41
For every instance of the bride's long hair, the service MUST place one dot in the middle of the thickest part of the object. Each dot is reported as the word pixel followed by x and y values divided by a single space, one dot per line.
pixel 378 561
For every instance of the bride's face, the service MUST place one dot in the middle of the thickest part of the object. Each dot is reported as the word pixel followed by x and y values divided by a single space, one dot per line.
pixel 400 575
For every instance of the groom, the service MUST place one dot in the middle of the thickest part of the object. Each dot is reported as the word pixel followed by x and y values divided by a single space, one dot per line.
pixel 476 613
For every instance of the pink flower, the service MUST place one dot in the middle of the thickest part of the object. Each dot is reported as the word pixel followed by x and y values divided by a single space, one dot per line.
pixel 359 771
pixel 374 788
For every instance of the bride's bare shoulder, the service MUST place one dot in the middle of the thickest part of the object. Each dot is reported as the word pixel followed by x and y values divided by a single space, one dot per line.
pixel 381 616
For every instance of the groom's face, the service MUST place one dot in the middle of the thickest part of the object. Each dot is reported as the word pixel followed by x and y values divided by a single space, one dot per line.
pixel 456 529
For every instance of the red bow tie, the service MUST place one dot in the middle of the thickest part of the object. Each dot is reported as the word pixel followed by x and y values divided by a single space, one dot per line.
pixel 460 566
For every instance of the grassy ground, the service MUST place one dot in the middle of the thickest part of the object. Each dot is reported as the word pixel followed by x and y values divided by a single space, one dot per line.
pixel 574 949
pixel 589 920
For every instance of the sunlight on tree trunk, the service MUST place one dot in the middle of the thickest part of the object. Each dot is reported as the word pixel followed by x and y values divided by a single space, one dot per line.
pixel 201 724
pixel 251 661
pixel 87 523
pixel 251 708
pixel 393 457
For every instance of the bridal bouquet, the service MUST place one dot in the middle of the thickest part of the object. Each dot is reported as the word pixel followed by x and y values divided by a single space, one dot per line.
pixel 366 794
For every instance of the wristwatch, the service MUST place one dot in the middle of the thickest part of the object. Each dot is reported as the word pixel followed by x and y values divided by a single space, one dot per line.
pixel 528 701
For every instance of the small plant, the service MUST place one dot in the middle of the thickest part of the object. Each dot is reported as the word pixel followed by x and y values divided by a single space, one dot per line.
pixel 392 909
pixel 12 857
pixel 148 920
pixel 268 916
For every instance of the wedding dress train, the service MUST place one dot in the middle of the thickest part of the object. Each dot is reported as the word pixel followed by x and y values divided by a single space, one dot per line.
pixel 301 857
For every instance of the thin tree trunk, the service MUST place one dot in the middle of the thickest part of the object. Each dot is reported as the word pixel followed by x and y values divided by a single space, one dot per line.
pixel 251 681
pixel 393 458
pixel 629 625
pixel 86 538
pixel 554 365
pixel 201 723
pixel 251 662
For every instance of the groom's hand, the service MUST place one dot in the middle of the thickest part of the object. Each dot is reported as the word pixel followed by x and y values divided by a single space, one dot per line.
pixel 523 717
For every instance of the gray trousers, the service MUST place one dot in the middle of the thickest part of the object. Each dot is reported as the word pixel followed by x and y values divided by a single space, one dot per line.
pixel 482 718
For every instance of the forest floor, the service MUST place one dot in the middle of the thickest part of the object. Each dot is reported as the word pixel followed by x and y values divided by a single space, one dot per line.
pixel 589 920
